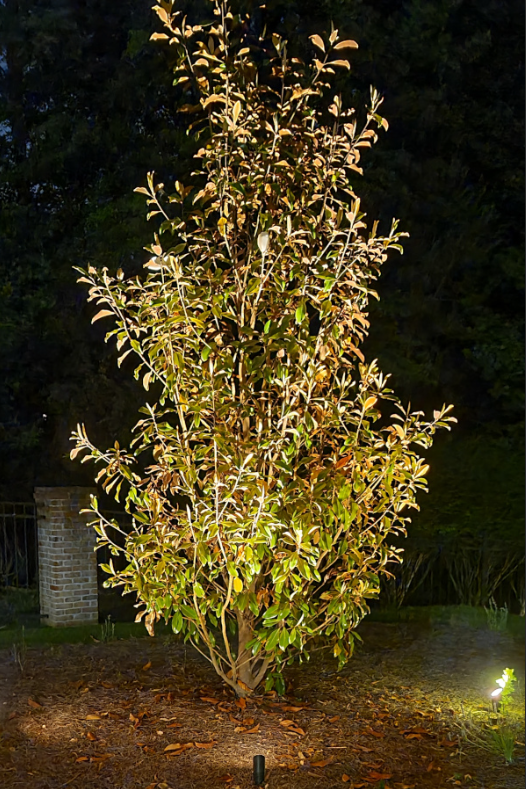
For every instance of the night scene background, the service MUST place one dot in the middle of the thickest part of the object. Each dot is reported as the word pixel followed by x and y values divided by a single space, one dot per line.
pixel 87 108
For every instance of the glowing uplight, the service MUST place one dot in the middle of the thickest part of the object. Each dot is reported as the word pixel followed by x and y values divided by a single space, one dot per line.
pixel 505 687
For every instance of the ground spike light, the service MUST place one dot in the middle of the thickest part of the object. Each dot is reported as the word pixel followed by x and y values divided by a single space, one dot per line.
pixel 259 770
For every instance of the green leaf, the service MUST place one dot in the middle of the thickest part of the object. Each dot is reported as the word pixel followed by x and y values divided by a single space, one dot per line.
pixel 189 612
pixel 177 622
pixel 272 640
pixel 300 312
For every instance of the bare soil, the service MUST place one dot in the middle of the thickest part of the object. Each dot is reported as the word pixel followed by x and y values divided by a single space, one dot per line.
pixel 399 716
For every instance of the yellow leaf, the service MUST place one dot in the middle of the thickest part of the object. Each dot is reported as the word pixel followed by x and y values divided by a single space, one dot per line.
pixel 238 585
pixel 158 37
pixel 236 111
pixel 369 403
pixel 344 63
pixel 161 13
pixel 346 45
pixel 318 42
pixel 147 665
pixel 400 430
pixel 101 314
pixel 212 99
pixel 205 744
pixel 93 717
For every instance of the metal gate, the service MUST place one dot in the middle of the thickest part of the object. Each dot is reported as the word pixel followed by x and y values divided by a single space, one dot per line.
pixel 18 544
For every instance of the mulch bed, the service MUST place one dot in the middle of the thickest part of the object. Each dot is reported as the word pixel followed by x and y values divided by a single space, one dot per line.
pixel 150 714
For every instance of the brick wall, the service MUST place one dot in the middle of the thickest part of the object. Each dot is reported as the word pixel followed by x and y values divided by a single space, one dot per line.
pixel 66 559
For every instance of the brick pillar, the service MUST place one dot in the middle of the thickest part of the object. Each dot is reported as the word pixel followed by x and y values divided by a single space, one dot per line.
pixel 67 561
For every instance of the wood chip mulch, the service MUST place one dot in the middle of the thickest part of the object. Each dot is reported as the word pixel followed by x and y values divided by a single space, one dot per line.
pixel 151 714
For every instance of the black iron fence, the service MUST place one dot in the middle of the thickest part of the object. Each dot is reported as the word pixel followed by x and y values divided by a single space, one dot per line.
pixel 18 544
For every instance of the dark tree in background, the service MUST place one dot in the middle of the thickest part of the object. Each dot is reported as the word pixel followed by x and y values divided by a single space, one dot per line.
pixel 87 107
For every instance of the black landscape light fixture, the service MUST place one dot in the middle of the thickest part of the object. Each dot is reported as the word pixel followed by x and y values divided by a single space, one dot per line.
pixel 259 770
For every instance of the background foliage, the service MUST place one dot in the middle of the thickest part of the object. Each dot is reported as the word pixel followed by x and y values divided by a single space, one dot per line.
pixel 87 107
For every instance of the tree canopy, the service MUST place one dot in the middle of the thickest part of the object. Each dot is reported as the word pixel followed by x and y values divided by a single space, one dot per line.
pixel 276 469
pixel 86 109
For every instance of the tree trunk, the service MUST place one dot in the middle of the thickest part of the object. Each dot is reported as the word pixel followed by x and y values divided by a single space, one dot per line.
pixel 250 670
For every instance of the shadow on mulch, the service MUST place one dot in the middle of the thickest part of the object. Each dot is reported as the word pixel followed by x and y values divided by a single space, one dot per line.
pixel 149 713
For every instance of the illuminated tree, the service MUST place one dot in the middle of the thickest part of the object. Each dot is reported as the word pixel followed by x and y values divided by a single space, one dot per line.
pixel 267 473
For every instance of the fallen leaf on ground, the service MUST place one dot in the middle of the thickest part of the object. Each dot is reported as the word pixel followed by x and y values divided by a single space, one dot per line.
pixel 254 730
pixel 174 725
pixel 226 779
pixel 374 776
pixel 34 704
pixel 322 763
pixel 241 703
pixel 286 723
pixel 205 744
pixel 209 699
pixel 290 708
pixel 181 749
pixel 91 736
pixel 82 759
pixel 357 747
pixel 147 665
pixel 346 778
pixel 416 730
pixel 173 747
pixel 93 717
